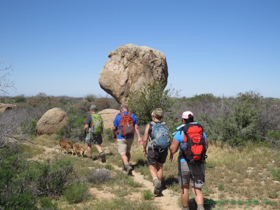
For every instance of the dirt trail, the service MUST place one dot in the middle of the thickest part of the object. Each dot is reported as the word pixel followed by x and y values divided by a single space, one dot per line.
pixel 168 200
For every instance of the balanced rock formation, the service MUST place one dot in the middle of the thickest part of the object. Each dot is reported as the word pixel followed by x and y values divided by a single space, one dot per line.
pixel 129 67
pixel 51 121
pixel 108 116
pixel 4 107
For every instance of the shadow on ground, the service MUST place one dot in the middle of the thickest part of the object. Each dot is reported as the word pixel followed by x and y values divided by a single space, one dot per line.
pixel 193 206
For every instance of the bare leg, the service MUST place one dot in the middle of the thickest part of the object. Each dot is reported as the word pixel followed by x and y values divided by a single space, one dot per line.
pixel 98 147
pixel 198 195
pixel 159 171
pixel 89 150
pixel 185 195
pixel 124 158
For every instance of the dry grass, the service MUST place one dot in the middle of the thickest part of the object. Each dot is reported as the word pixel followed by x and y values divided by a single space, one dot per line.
pixel 231 174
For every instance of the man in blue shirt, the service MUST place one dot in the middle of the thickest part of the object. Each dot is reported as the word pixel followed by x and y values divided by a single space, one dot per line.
pixel 188 170
pixel 124 143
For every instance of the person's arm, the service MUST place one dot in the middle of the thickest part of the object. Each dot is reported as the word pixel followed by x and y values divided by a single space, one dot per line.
pixel 145 140
pixel 174 146
pixel 114 129
pixel 140 142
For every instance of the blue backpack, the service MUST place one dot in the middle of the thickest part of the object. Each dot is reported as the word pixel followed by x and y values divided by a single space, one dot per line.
pixel 159 136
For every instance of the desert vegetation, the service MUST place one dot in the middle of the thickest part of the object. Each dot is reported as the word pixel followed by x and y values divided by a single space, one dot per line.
pixel 243 161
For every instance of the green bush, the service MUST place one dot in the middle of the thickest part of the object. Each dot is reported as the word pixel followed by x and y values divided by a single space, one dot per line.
pixel 20 99
pixel 50 179
pixel 238 120
pixel 76 192
pixel 109 134
pixel 47 204
pixel 142 102
pixel 73 129
pixel 15 192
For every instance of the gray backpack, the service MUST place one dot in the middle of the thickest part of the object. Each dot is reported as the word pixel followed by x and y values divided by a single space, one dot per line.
pixel 159 137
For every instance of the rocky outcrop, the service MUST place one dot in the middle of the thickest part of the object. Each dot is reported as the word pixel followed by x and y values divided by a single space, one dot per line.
pixel 108 116
pixel 51 121
pixel 129 67
pixel 4 107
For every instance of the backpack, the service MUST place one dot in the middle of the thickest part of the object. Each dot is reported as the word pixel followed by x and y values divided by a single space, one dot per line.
pixel 97 124
pixel 126 125
pixel 159 136
pixel 193 147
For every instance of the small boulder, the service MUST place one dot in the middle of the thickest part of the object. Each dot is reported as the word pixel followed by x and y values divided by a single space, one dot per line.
pixel 51 121
pixel 108 116
pixel 4 107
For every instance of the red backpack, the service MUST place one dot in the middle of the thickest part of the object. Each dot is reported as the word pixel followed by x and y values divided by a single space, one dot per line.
pixel 126 125
pixel 195 152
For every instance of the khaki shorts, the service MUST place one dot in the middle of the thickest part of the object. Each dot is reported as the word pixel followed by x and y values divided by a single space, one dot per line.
pixel 124 145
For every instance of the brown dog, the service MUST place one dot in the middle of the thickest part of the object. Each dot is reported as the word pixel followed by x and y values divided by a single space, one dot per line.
pixel 78 150
pixel 65 145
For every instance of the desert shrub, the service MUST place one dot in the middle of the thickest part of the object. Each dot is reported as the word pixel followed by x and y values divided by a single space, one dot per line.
pixel 73 128
pixel 109 134
pixel 103 103
pixel 99 176
pixel 82 107
pixel 248 117
pixel 51 179
pixel 42 100
pixel 90 97
pixel 15 192
pixel 142 102
pixel 47 204
pixel 20 99
pixel 76 192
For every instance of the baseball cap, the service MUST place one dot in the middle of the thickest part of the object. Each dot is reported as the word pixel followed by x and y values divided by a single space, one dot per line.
pixel 186 114
pixel 92 107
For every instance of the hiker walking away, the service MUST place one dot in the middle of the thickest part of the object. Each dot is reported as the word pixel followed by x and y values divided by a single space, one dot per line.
pixel 159 142
pixel 191 140
pixel 126 123
pixel 94 126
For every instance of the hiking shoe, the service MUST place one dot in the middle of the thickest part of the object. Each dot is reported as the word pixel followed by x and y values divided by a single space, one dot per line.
pixel 157 186
pixel 90 157
pixel 102 156
pixel 128 169
pixel 185 208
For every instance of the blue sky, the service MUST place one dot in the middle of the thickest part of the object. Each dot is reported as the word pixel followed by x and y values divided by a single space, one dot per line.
pixel 222 47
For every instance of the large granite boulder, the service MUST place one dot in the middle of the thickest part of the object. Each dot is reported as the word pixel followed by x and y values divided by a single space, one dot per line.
pixel 128 67
pixel 108 116
pixel 4 107
pixel 51 121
